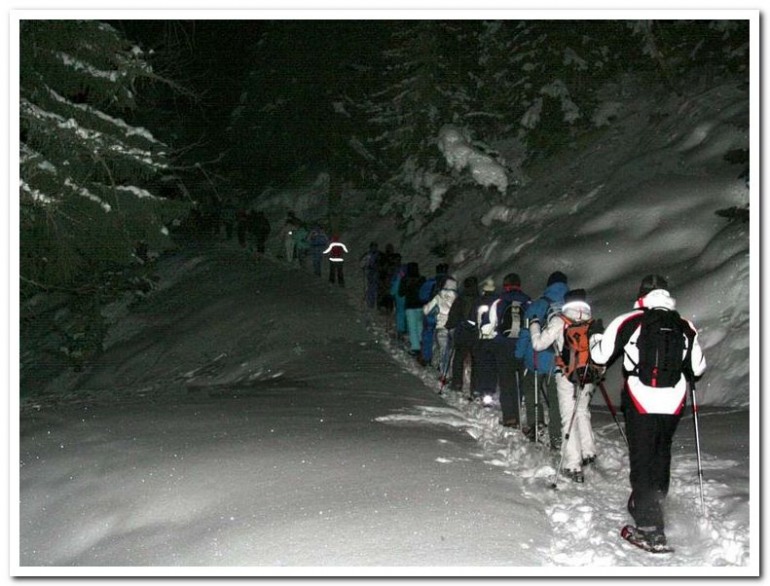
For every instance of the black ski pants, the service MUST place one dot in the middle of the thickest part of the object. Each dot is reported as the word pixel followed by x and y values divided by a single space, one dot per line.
pixel 484 363
pixel 510 372
pixel 464 340
pixel 649 442
pixel 547 400
pixel 336 274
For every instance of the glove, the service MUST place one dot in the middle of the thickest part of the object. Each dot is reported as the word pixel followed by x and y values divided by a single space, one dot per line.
pixel 596 327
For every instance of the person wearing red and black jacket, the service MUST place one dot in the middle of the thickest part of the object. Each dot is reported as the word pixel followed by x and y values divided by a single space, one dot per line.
pixel 652 413
pixel 336 251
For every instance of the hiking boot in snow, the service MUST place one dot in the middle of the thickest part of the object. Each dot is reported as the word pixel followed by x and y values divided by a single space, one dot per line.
pixel 575 475
pixel 510 422
pixel 653 536
pixel 588 460
pixel 529 432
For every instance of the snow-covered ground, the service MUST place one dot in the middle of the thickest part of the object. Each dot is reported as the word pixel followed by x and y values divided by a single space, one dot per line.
pixel 252 419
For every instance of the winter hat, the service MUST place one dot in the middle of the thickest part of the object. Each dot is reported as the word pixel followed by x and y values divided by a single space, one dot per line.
pixel 450 284
pixel 511 280
pixel 556 277
pixel 651 282
pixel 488 286
pixel 471 284
pixel 442 268
pixel 575 295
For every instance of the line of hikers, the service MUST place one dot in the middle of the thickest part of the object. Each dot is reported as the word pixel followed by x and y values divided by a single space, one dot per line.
pixel 550 354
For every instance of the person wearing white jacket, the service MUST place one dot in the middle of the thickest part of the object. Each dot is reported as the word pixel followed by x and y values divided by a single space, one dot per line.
pixel 652 412
pixel 442 303
pixel 579 449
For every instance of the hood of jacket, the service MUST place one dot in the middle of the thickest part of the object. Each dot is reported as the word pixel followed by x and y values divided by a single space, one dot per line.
pixel 556 291
pixel 656 298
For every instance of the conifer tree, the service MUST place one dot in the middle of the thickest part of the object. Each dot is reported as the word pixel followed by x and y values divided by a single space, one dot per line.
pixel 84 171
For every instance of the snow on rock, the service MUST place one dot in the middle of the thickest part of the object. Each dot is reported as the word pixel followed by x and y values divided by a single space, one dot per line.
pixel 455 145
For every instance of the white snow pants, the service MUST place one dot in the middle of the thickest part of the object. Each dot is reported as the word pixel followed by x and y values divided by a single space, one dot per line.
pixel 581 437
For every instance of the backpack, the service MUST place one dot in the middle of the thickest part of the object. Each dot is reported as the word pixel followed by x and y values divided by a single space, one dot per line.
pixel 661 346
pixel 575 358
pixel 428 290
pixel 484 323
pixel 512 321
pixel 540 362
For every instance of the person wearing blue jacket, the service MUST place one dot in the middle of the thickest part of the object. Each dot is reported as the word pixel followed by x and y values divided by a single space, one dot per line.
pixel 539 366
pixel 318 242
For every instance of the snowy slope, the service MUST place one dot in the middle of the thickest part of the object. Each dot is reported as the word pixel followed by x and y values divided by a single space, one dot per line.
pixel 636 197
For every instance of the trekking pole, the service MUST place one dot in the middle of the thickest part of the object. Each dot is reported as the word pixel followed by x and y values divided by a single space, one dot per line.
pixel 567 435
pixel 534 425
pixel 518 397
pixel 697 443
pixel 611 407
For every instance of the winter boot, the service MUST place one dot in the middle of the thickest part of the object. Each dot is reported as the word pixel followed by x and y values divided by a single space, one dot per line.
pixel 575 475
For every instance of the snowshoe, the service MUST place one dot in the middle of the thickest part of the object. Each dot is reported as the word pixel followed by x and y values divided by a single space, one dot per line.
pixel 653 541
pixel 535 433
pixel 575 475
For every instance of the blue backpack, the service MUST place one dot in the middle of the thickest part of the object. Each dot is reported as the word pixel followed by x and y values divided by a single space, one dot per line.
pixel 428 289
pixel 541 362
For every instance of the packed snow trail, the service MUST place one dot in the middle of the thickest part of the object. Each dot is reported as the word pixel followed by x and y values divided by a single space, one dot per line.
pixel 252 416
pixel 586 519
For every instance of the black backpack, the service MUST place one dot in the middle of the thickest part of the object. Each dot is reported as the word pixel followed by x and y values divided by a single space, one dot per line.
pixel 661 345
pixel 513 319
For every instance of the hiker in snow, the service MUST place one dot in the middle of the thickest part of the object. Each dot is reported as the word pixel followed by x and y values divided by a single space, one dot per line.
pixel 336 251
pixel 289 226
pixel 301 243
pixel 427 292
pixel 260 227
pixel 462 323
pixel 483 351
pixel 318 242
pixel 508 316
pixel 439 306
pixel 652 402
pixel 538 382
pixel 399 301
pixel 387 264
pixel 574 380
pixel 409 288
pixel 368 263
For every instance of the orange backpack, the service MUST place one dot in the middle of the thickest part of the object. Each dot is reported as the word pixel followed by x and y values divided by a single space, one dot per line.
pixel 575 358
